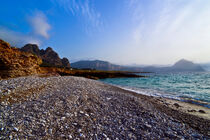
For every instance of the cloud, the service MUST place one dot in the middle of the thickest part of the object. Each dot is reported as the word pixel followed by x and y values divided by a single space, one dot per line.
pixel 40 25
pixel 16 38
pixel 40 28
pixel 170 30
pixel 83 9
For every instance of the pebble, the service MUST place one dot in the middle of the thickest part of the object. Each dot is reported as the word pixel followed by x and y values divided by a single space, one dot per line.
pixel 63 118
pixel 50 131
pixel 201 111
pixel 16 129
pixel 71 107
pixel 69 136
pixel 68 115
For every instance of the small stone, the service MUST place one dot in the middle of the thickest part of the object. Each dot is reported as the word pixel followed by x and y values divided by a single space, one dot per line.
pixel 108 98
pixel 81 112
pixel 30 135
pixel 201 111
pixel 81 135
pixel 104 135
pixel 75 124
pixel 16 129
pixel 147 125
pixel 70 137
pixel 130 135
pixel 68 115
pixel 192 110
pixel 177 105
pixel 63 118
pixel 50 131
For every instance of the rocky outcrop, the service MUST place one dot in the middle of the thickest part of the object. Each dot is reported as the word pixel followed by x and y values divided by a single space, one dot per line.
pixel 14 63
pixel 49 56
pixel 65 62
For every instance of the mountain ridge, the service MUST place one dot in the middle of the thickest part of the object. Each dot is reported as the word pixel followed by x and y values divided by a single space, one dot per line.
pixel 49 56
pixel 182 65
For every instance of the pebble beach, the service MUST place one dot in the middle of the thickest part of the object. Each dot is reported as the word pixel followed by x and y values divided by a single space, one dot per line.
pixel 78 108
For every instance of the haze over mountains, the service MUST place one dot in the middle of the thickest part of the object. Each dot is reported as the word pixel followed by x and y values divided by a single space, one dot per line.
pixel 180 66
pixel 51 58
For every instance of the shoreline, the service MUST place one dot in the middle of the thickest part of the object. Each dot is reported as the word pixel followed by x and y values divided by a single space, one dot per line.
pixel 74 107
pixel 177 104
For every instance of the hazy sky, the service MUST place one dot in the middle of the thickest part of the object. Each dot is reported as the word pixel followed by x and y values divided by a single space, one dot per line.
pixel 119 31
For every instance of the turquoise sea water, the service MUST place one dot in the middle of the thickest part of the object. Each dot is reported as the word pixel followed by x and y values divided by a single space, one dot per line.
pixel 189 87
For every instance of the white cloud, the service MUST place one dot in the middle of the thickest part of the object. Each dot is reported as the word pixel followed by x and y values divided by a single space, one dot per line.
pixel 171 30
pixel 39 24
pixel 40 28
pixel 83 9
pixel 16 38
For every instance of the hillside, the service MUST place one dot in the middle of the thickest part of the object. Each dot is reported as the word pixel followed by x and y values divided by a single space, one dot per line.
pixel 14 63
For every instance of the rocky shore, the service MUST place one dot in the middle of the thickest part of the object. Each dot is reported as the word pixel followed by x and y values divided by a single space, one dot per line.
pixel 78 108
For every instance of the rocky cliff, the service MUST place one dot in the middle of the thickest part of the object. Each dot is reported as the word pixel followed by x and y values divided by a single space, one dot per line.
pixel 49 56
pixel 14 63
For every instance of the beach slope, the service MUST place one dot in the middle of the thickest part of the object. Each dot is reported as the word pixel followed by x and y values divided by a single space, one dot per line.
pixel 73 107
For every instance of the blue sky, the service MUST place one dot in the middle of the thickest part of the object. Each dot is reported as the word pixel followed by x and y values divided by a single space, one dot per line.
pixel 119 31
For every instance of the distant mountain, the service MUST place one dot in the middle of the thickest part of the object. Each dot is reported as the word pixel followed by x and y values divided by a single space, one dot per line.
pixel 95 64
pixel 49 56
pixel 206 66
pixel 185 65
pixel 103 65
pixel 180 66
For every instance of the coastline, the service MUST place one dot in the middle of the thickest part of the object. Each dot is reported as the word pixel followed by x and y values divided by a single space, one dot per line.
pixel 74 107
pixel 176 104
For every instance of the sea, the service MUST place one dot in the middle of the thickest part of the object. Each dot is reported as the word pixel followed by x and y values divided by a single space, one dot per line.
pixel 192 87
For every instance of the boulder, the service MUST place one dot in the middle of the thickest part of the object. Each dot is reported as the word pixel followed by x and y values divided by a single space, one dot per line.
pixel 65 62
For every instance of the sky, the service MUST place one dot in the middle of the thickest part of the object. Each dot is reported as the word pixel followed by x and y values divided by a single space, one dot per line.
pixel 127 32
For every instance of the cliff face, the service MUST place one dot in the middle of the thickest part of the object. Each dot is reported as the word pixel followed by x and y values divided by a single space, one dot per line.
pixel 49 56
pixel 14 63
